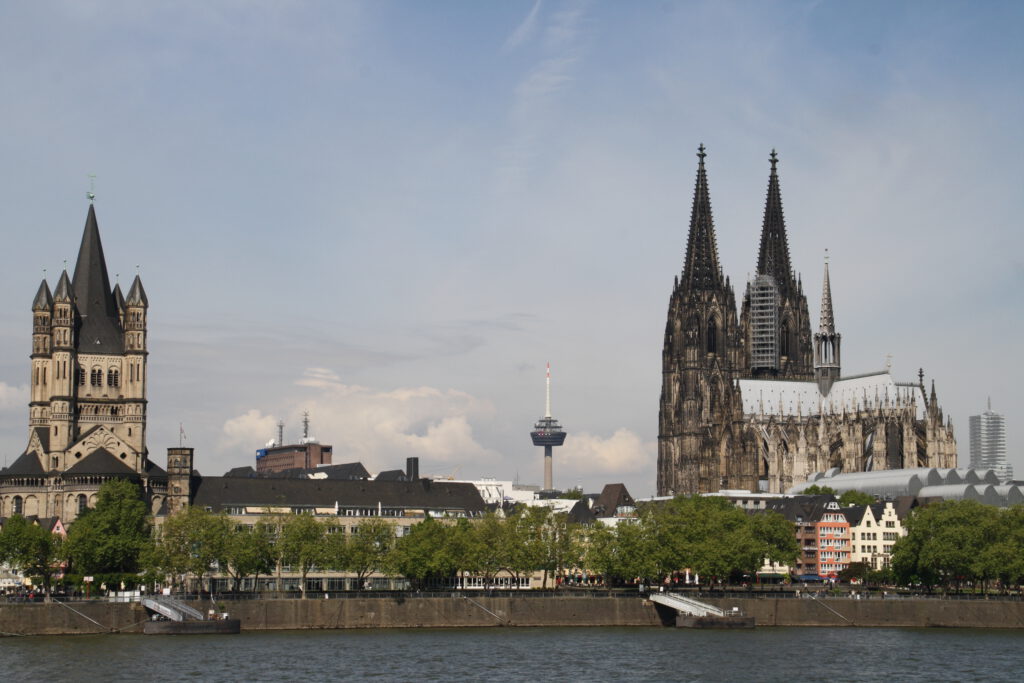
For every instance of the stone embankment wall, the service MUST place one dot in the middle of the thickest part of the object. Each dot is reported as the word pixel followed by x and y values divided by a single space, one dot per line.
pixel 479 611
pixel 890 612
pixel 77 618
pixel 467 611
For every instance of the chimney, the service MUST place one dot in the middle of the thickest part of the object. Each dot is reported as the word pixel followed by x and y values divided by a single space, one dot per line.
pixel 412 469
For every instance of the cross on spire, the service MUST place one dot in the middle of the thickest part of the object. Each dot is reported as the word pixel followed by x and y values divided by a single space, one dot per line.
pixel 91 194
pixel 701 153
pixel 774 158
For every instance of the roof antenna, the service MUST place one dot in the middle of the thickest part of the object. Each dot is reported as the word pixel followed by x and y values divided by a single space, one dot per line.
pixel 91 194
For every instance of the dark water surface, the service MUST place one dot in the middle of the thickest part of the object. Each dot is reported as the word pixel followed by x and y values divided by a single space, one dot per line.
pixel 526 654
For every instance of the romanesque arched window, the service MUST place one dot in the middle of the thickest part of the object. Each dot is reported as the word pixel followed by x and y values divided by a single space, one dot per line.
pixel 113 377
pixel 81 376
pixel 83 503
pixel 17 505
pixel 96 377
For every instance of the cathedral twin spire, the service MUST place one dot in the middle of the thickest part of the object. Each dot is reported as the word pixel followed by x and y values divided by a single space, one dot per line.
pixel 773 255
pixel 701 270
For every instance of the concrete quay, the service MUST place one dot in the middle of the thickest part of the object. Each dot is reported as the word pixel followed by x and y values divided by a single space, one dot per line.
pixel 471 611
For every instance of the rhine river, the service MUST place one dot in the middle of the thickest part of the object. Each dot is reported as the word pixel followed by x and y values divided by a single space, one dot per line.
pixel 527 654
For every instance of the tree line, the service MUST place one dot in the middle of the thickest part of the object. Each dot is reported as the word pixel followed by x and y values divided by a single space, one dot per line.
pixel 115 542
pixel 954 543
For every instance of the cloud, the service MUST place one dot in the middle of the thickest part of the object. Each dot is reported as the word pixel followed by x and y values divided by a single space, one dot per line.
pixel 13 397
pixel 535 96
pixel 242 430
pixel 378 428
pixel 525 30
pixel 623 453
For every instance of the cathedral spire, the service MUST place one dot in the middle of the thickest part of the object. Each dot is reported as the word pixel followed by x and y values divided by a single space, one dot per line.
pixel 773 257
pixel 826 341
pixel 828 323
pixel 701 270
pixel 100 331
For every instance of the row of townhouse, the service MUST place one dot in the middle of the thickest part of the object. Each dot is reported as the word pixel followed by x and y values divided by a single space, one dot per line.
pixel 832 537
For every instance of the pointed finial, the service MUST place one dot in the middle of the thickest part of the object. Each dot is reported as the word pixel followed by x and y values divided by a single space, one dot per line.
pixel 888 362
pixel 117 278
pixel 44 273
pixel 920 377
pixel 65 264
pixel 774 158
pixel 91 194
pixel 826 256
pixel 701 153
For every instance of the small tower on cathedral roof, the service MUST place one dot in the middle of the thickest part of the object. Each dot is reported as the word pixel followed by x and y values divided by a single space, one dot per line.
pixel 826 341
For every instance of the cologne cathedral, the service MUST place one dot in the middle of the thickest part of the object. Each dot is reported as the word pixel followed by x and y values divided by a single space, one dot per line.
pixel 756 401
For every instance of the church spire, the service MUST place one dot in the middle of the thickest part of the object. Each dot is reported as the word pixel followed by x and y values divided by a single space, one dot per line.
pixel 826 341
pixel 701 270
pixel 828 323
pixel 43 300
pixel 100 331
pixel 773 257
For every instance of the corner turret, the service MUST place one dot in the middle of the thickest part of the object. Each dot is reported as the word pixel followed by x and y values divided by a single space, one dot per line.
pixel 826 341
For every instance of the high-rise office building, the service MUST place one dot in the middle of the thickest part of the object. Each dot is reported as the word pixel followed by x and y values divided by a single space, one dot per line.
pixel 988 443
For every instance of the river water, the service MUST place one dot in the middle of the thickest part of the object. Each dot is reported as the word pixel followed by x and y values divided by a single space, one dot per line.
pixel 527 654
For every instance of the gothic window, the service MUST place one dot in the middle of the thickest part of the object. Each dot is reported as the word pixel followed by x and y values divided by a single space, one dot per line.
pixel 16 506
pixel 113 378
pixel 53 462
pixel 784 349
pixel 712 337
pixel 83 503
pixel 96 377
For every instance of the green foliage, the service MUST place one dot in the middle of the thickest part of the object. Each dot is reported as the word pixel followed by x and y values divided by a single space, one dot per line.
pixel 31 550
pixel 951 542
pixel 856 498
pixel 572 494
pixel 302 544
pixel 249 551
pixel 368 550
pixel 816 490
pixel 426 553
pixel 776 534
pixel 111 537
pixel 191 542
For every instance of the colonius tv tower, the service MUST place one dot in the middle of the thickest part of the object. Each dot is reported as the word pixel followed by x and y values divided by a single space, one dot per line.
pixel 548 433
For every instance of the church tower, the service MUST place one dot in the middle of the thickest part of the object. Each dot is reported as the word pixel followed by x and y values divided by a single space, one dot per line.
pixel 698 360
pixel 826 342
pixel 87 410
pixel 775 323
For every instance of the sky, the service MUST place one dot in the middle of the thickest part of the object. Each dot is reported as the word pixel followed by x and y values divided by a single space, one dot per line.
pixel 393 214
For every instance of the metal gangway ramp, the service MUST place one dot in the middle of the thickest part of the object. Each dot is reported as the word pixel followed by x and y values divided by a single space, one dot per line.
pixel 689 606
pixel 175 610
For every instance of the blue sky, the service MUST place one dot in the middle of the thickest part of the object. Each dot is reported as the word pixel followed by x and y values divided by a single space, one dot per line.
pixel 392 214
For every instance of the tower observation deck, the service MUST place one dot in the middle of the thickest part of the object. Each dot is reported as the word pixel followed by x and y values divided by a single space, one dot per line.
pixel 548 433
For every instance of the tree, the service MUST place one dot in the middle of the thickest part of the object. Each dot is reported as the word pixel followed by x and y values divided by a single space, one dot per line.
pixel 249 551
pixel 601 554
pixel 818 490
pixel 302 544
pixel 852 497
pixel 110 537
pixel 31 550
pixel 777 537
pixel 193 541
pixel 425 553
pixel 369 548
pixel 943 543
pixel 486 548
